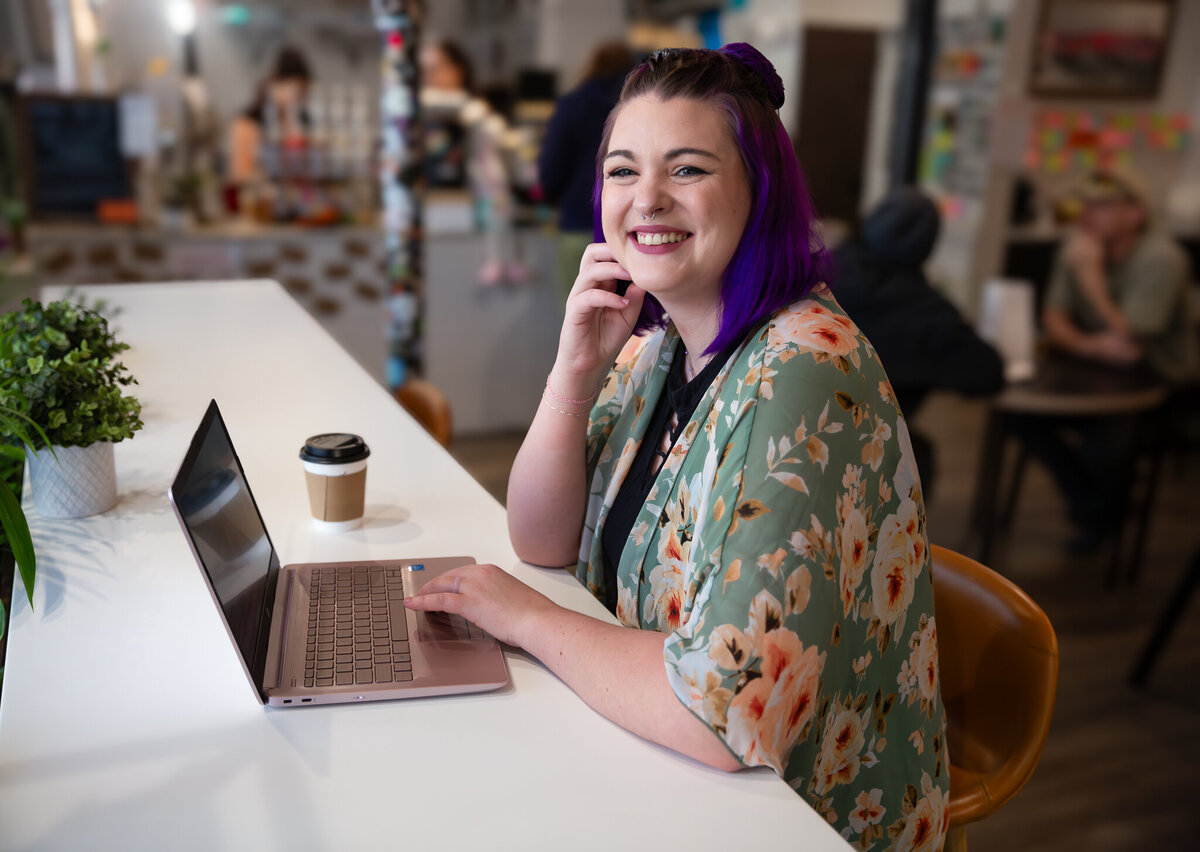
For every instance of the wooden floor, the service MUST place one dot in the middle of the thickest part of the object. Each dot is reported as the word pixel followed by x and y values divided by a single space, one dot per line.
pixel 1121 767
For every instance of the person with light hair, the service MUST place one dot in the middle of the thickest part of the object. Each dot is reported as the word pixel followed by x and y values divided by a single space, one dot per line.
pixel 1118 297
pixel 1118 291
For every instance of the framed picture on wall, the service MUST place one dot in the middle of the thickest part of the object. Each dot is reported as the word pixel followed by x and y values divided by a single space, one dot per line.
pixel 1101 48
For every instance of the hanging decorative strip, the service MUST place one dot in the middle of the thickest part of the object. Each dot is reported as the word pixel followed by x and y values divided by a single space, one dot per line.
pixel 398 22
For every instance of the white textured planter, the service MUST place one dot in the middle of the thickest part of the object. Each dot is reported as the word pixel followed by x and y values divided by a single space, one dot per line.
pixel 82 481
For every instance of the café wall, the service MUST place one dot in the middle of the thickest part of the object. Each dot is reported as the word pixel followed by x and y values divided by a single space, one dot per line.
pixel 1178 93
pixel 341 47
pixel 556 35
pixel 1173 178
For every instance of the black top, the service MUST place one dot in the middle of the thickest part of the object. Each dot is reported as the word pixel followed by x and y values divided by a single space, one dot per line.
pixel 681 398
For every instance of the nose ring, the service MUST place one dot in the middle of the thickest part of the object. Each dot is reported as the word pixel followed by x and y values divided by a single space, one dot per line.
pixel 651 216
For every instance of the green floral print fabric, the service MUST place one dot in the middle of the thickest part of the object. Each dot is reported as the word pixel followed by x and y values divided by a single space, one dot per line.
pixel 783 552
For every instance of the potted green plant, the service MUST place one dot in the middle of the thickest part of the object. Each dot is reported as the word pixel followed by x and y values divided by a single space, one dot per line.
pixel 59 368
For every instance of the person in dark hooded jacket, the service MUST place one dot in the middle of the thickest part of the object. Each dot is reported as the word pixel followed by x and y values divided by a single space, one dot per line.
pixel 922 339
pixel 567 162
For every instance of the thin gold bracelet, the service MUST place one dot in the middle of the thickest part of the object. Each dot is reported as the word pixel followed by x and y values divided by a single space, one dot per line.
pixel 554 407
pixel 565 399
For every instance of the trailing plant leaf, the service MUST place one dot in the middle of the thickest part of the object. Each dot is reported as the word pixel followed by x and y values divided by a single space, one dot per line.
pixel 14 424
pixel 12 519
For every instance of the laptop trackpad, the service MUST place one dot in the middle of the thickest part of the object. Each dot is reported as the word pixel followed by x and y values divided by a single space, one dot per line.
pixel 445 627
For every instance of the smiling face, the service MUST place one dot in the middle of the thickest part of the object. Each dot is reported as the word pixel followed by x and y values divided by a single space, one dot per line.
pixel 678 162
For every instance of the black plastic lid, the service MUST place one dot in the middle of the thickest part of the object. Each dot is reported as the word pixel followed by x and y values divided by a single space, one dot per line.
pixel 334 448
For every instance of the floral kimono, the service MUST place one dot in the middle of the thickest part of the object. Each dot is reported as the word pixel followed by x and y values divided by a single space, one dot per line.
pixel 782 550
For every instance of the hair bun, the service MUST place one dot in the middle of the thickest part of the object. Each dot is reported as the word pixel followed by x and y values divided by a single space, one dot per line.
pixel 750 56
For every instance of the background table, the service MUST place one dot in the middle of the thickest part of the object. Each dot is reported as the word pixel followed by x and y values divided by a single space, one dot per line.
pixel 127 723
pixel 1066 387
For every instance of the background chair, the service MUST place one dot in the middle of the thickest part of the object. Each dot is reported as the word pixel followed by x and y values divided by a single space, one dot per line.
pixel 1171 613
pixel 429 406
pixel 998 656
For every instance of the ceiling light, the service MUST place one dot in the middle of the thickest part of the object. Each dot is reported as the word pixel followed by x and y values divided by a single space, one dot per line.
pixel 181 16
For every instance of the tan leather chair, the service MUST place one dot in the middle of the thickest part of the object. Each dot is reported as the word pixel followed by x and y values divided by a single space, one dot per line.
pixel 429 406
pixel 998 656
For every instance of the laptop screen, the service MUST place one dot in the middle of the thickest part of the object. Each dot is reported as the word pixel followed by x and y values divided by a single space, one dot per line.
pixel 220 516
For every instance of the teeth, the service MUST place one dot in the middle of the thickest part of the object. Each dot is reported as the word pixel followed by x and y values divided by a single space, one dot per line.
pixel 660 238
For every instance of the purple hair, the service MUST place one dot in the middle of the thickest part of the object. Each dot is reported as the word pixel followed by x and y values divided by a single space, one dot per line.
pixel 779 258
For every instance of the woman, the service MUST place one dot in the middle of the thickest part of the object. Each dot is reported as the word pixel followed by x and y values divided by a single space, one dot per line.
pixel 742 495
pixel 277 111
pixel 467 141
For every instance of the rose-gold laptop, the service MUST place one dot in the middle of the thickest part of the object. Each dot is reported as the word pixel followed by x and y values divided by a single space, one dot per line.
pixel 320 633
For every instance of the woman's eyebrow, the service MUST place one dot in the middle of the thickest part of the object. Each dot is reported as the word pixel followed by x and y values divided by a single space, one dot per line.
pixel 674 153
pixel 683 152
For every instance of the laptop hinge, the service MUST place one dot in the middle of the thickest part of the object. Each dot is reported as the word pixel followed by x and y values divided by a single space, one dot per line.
pixel 282 609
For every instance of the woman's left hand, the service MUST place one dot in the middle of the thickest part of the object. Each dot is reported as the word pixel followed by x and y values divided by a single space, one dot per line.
pixel 492 598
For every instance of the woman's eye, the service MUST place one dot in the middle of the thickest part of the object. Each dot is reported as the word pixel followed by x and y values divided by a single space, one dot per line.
pixel 689 171
pixel 620 172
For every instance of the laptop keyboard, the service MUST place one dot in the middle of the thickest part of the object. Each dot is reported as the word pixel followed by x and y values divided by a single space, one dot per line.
pixel 357 632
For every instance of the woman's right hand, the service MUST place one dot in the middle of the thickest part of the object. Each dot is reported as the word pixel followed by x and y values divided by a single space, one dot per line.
pixel 597 324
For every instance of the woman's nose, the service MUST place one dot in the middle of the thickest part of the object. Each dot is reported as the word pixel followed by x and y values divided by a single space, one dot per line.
pixel 651 199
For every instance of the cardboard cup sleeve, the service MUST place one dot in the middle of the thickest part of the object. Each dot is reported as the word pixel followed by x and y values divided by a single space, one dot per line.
pixel 336 492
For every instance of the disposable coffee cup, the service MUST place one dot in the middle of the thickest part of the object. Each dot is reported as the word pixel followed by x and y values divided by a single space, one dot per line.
pixel 335 469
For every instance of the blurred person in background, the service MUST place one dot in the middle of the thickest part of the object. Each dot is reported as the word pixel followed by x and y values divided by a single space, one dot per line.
pixel 278 107
pixel 1118 297
pixel 567 162
pixel 1118 291
pixel 922 339
pixel 479 155
pixel 720 457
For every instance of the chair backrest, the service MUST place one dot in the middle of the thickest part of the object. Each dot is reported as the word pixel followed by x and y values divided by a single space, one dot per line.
pixel 998 658
pixel 429 406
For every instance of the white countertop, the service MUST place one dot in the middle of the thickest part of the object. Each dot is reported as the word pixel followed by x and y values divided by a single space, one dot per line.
pixel 127 723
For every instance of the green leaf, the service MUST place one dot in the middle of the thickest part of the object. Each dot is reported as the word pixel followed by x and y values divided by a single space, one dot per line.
pixel 12 519
pixel 14 423
pixel 59 368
